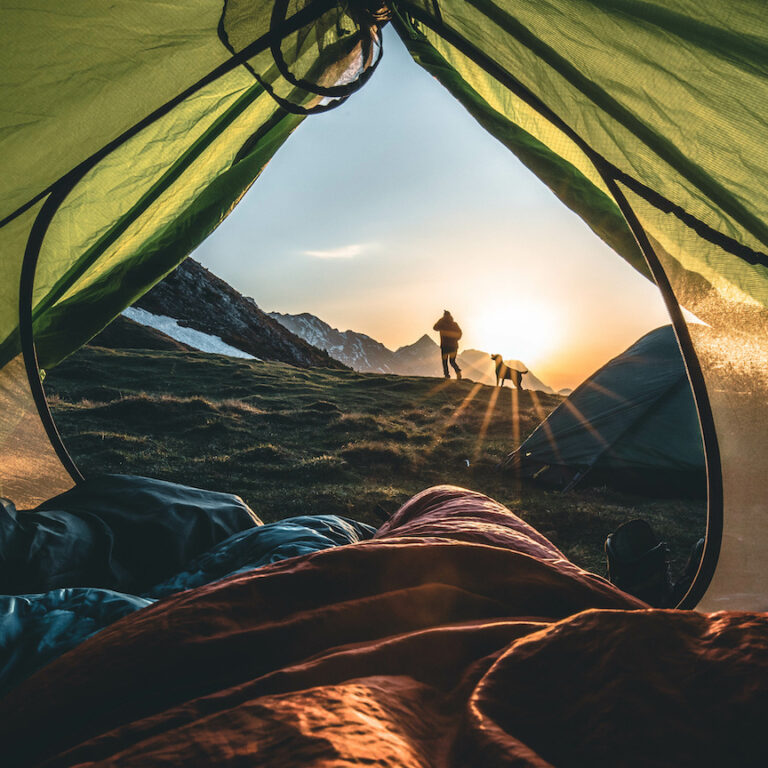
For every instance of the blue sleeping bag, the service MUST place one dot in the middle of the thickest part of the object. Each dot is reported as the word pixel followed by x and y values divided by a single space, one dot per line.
pixel 61 609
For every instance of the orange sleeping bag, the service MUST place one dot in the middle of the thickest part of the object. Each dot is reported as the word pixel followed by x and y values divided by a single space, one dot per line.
pixel 458 636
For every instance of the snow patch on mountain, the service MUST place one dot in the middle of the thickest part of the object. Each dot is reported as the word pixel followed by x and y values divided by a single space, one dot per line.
pixel 204 342
pixel 201 301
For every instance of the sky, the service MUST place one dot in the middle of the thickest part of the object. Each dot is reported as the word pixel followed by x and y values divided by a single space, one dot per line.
pixel 381 213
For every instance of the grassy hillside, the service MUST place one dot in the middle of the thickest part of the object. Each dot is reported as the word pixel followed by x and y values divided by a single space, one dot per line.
pixel 294 441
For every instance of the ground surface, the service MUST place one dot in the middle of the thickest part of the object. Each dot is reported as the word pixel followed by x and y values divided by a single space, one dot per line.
pixel 295 441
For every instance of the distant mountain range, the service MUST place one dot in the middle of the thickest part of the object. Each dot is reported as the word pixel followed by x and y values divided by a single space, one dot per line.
pixel 194 309
pixel 358 351
pixel 422 358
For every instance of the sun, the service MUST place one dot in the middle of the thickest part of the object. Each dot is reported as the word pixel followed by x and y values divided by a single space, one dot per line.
pixel 525 330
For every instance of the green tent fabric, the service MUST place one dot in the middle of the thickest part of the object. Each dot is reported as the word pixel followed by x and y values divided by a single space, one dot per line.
pixel 128 131
pixel 655 109
pixel 121 151
pixel 631 424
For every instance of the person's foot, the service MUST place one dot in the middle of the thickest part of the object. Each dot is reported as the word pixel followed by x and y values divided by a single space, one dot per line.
pixel 458 375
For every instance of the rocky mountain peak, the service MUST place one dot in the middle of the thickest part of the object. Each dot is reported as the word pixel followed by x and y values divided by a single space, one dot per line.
pixel 424 342
pixel 200 300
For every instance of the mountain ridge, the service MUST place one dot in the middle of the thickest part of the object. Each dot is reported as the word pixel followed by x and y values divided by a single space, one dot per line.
pixel 193 297
pixel 365 354
pixel 200 300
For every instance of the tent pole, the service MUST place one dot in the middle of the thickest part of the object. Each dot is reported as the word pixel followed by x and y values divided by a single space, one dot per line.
pixel 714 530
pixel 26 328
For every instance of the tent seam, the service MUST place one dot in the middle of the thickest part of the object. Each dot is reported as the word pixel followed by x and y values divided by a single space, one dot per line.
pixel 299 19
pixel 654 198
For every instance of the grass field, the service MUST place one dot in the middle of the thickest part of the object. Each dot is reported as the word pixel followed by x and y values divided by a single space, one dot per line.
pixel 293 441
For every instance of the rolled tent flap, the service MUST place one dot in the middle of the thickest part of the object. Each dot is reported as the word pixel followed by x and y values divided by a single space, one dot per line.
pixel 128 132
pixel 657 112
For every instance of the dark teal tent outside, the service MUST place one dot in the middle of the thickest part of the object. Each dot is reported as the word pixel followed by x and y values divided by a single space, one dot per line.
pixel 632 424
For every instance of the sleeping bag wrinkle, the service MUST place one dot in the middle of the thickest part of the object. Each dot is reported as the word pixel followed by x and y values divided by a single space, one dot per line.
pixel 400 627
pixel 36 629
pixel 210 638
pixel 644 688
pixel 411 709
pixel 388 722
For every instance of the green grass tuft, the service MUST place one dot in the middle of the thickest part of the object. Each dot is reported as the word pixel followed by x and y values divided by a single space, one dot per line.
pixel 292 441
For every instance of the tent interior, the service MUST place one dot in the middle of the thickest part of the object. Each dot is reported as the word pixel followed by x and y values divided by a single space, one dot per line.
pixel 646 119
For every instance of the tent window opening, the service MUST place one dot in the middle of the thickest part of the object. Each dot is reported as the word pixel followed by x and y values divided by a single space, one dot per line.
pixel 294 431
pixel 166 165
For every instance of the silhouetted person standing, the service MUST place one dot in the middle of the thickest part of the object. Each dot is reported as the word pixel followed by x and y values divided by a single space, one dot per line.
pixel 450 333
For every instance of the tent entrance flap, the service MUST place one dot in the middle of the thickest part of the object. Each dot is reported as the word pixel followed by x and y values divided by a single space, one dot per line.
pixel 703 180
pixel 116 198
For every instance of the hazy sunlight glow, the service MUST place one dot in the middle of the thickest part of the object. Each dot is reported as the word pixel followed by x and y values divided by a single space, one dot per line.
pixel 541 413
pixel 516 329
pixel 489 411
pixel 455 415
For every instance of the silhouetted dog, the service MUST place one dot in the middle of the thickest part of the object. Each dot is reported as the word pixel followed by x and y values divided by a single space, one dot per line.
pixel 504 372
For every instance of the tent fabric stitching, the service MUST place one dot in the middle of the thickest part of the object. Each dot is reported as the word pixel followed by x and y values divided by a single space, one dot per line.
pixel 599 96
pixel 173 173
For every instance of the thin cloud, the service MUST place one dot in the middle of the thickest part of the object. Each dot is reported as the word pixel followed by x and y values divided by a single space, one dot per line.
pixel 343 252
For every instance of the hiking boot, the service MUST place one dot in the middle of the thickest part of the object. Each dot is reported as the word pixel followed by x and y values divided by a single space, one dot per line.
pixel 638 563
pixel 458 375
